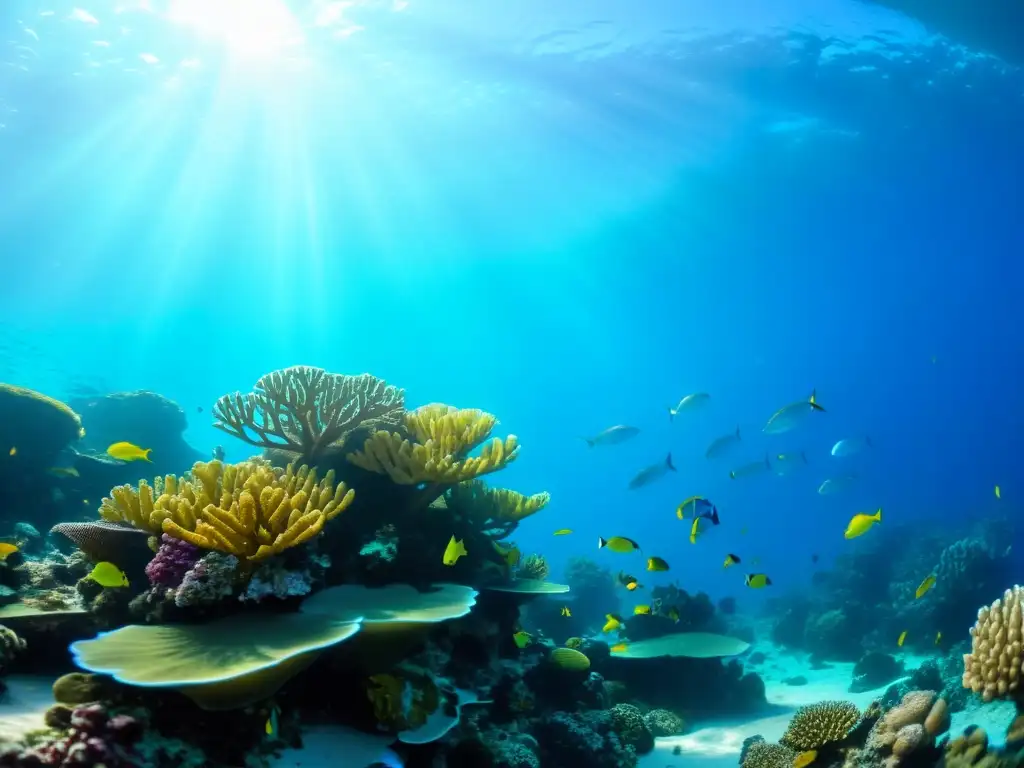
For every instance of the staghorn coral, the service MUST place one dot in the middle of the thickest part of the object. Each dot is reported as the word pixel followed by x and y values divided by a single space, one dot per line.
pixel 250 510
pixel 437 451
pixel 816 725
pixel 533 567
pixel 309 411
pixel 993 667
pixel 764 754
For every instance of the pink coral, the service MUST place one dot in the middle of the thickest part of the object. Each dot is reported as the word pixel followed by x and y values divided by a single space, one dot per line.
pixel 94 739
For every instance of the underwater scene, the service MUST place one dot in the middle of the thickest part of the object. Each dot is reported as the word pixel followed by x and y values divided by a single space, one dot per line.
pixel 577 384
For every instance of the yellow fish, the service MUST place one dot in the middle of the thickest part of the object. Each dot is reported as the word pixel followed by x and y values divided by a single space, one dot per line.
pixel 565 611
pixel 128 452
pixel 903 636
pixel 642 610
pixel 7 549
pixel 656 564
pixel 454 551
pixel 563 532
pixel 619 544
pixel 629 582
pixel 731 560
pixel 13 451
pixel 805 758
pixel 270 727
pixel 613 622
pixel 928 583
pixel 673 614
pixel 938 638
pixel 861 523
pixel 522 639
pixel 757 580
pixel 108 575
pixel 999 493
pixel 619 647
pixel 696 529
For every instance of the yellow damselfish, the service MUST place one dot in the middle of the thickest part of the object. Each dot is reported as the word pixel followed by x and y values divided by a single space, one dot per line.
pixel 7 549
pixel 522 639
pixel 861 523
pixel 928 583
pixel 454 551
pixel 656 564
pixel 902 638
pixel 757 580
pixel 613 622
pixel 731 560
pixel 565 611
pixel 108 575
pixel 128 452
pixel 641 610
pixel 510 554
pixel 619 544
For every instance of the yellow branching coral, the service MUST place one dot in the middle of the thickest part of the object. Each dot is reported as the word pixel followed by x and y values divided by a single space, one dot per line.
pixel 499 504
pixel 993 668
pixel 306 410
pixel 816 725
pixel 249 510
pixel 437 450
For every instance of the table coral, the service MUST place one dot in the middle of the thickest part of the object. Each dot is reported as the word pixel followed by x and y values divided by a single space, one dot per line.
pixel 309 411
pixel 250 510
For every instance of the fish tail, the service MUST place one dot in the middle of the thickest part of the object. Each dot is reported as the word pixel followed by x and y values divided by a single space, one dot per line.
pixel 145 455
pixel 668 462
pixel 587 440
pixel 878 515
pixel 671 413
pixel 714 516
pixel 601 543
pixel 813 401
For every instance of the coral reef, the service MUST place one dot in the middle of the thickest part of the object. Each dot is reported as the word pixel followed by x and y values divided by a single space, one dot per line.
pixel 93 738
pixel 993 667
pixel 816 725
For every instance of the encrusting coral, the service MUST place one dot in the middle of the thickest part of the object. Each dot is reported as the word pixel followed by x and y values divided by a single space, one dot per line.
pixel 308 411
pixel 816 725
pixel 437 451
pixel 993 667
pixel 250 510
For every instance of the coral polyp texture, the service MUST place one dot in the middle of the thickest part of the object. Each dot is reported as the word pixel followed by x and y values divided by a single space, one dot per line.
pixel 309 411
pixel 993 667
pixel 816 725
pixel 250 510
pixel 764 754
pixel 437 450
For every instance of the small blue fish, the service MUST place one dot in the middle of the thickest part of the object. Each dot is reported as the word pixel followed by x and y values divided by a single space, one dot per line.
pixel 612 436
pixel 652 473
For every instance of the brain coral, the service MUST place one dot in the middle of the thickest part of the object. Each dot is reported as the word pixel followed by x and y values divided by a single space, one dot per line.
pixel 818 724
pixel 993 667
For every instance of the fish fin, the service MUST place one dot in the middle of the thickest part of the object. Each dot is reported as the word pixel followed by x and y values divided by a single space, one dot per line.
pixel 813 401
pixel 878 515
pixel 668 462
pixel 714 518
pixel 601 543
pixel 145 455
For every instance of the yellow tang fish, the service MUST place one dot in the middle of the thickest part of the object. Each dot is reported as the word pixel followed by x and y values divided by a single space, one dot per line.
pixel 563 532
pixel 731 560
pixel 641 610
pixel 656 564
pixel 7 549
pixel 13 451
pixel 565 611
pixel 613 623
pixel 454 551
pixel 757 580
pixel 999 493
pixel 938 638
pixel 522 639
pixel 902 637
pixel 928 583
pixel 619 647
pixel 128 452
pixel 108 575
pixel 619 544
pixel 861 523
pixel 805 758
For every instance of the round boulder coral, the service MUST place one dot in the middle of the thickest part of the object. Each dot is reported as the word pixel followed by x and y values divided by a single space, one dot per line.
pixel 993 667
pixel 661 722
pixel 764 754
pixel 628 723
pixel 816 725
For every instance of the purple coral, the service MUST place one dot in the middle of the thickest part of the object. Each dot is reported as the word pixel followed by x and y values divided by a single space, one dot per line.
pixel 172 561
pixel 94 739
pixel 207 582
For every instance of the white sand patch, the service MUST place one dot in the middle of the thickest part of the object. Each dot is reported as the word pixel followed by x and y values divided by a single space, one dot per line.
pixel 23 705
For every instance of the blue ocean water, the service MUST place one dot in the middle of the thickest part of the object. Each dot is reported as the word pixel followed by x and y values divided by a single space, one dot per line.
pixel 569 216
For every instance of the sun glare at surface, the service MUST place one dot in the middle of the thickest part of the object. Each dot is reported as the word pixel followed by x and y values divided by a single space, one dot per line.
pixel 249 28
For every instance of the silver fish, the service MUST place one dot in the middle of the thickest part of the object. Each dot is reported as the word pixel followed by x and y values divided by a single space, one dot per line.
pixel 652 473
pixel 790 416
pixel 837 485
pixel 788 463
pixel 620 433
pixel 721 446
pixel 689 403
pixel 850 446
pixel 753 468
